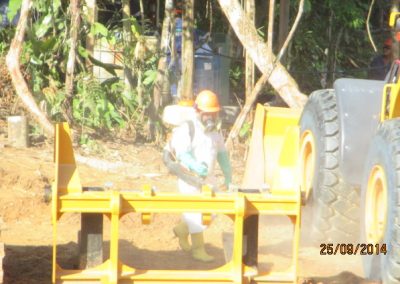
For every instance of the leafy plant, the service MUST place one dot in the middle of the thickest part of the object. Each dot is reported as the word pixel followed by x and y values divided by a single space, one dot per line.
pixel 245 131
pixel 92 106
pixel 6 35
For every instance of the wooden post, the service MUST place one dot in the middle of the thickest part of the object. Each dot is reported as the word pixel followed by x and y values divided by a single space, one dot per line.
pixel 17 131
pixel 187 51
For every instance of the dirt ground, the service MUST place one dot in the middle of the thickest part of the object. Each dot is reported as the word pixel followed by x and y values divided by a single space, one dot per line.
pixel 26 226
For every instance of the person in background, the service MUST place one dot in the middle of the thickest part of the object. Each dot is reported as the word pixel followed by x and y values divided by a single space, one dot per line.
pixel 380 64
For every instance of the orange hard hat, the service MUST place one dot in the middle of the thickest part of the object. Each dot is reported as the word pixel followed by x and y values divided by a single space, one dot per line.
pixel 207 101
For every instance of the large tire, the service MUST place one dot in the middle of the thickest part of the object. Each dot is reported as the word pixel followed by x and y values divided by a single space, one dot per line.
pixel 380 222
pixel 334 204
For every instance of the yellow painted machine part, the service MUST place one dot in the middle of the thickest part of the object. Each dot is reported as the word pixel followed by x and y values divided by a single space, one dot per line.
pixel 390 101
pixel 392 18
pixel 69 198
pixel 376 205
pixel 306 163
pixel 274 147
pixel 281 142
pixel 67 177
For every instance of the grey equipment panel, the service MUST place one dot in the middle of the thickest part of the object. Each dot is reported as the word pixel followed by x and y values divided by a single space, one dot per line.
pixel 359 105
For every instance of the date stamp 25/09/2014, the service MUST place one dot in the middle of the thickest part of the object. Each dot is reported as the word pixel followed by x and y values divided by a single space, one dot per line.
pixel 352 249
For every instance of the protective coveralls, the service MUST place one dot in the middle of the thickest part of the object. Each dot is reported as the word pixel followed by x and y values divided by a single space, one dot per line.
pixel 197 150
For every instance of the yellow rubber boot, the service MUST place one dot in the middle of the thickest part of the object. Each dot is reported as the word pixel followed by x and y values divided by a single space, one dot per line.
pixel 181 231
pixel 198 251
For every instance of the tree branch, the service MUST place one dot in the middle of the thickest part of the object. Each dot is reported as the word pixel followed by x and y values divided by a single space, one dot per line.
pixel 279 78
pixel 13 65
pixel 292 30
pixel 271 24
pixel 368 29
pixel 262 81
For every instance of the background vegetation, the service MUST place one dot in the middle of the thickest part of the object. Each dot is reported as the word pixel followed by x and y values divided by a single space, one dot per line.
pixel 331 42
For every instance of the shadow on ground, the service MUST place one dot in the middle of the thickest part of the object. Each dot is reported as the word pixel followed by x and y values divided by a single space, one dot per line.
pixel 32 264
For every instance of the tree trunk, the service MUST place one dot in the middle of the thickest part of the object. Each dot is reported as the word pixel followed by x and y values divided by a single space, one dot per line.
pixel 162 76
pixel 284 12
pixel 262 81
pixel 69 78
pixel 159 98
pixel 126 15
pixel 158 14
pixel 142 19
pixel 250 11
pixel 13 65
pixel 279 78
pixel 187 51
pixel 92 18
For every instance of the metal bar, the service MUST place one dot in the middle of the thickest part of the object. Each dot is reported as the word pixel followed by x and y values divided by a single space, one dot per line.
pixel 114 237
pixel 130 275
pixel 237 264
pixel 173 203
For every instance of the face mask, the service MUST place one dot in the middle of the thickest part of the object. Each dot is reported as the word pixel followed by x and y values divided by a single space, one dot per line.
pixel 209 125
pixel 210 121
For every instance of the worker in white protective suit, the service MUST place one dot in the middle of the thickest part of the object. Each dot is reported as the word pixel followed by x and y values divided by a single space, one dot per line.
pixel 197 145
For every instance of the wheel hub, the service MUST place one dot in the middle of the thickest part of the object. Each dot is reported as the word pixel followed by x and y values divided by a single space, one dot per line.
pixel 376 205
pixel 307 162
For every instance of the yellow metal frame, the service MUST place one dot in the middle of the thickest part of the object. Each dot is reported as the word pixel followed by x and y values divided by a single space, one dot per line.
pixel 68 197
pixel 392 18
pixel 390 101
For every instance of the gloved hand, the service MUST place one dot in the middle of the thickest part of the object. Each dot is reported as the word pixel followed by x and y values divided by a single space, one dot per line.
pixel 189 161
pixel 201 169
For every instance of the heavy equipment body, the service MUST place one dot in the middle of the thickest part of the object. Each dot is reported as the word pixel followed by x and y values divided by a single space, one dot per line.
pixel 358 103
pixel 351 136
pixel 278 139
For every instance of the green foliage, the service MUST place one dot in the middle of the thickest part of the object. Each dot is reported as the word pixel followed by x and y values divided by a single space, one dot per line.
pixel 245 131
pixel 6 36
pixel 150 77
pixel 45 49
pixel 236 77
pixel 13 7
pixel 92 106
pixel 99 29
pixel 330 43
